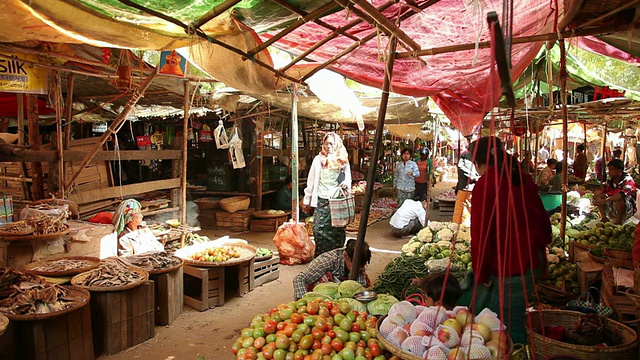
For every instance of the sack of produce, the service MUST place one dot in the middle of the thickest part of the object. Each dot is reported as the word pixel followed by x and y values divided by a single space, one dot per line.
pixel 293 243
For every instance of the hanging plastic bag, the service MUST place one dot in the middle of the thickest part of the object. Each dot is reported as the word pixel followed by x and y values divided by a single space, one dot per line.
pixel 220 136
pixel 293 243
pixel 235 150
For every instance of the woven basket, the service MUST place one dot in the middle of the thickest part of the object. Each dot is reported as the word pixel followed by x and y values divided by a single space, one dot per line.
pixel 546 348
pixel 235 203
pixel 618 254
pixel 4 324
pixel 207 203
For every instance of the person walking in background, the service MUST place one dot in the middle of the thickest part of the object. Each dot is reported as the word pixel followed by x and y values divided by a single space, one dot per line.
pixel 329 174
pixel 424 165
pixel 404 178
pixel 580 164
pixel 467 176
pixel 543 155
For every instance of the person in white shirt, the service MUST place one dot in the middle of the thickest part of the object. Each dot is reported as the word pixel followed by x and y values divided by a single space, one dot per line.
pixel 409 218
pixel 133 237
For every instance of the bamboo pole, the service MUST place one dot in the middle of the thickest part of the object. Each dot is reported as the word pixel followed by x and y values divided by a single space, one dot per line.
pixel 49 54
pixel 16 178
pixel 516 40
pixel 565 137
pixel 183 177
pixel 20 105
pixel 217 10
pixel 436 124
pixel 386 24
pixel 302 13
pixel 332 36
pixel 69 110
pixel 301 21
pixel 603 179
pixel 113 127
pixel 357 260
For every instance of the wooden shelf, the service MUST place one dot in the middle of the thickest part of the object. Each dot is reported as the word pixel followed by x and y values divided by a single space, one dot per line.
pixel 228 193
pixel 160 211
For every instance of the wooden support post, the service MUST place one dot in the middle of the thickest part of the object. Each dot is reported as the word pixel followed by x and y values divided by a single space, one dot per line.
pixel 258 152
pixel 69 111
pixel 371 175
pixel 565 136
pixel 37 186
pixel 603 179
pixel 113 127
pixel 23 166
pixel 295 181
pixel 57 100
pixel 183 178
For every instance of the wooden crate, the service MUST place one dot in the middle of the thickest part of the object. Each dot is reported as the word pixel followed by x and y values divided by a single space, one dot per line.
pixel 238 221
pixel 267 225
pixel 67 336
pixel 265 271
pixel 169 300
pixel 206 288
pixel 623 307
pixel 122 319
pixel 589 271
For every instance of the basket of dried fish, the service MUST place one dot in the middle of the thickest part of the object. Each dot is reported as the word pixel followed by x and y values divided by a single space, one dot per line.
pixel 37 301
pixel 63 267
pixel 44 228
pixel 4 324
pixel 154 262
pixel 18 228
pixel 10 277
pixel 112 274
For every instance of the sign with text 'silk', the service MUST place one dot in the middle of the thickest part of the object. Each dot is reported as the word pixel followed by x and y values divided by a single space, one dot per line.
pixel 18 76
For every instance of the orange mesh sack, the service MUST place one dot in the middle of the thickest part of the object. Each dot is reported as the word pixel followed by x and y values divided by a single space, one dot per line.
pixel 293 243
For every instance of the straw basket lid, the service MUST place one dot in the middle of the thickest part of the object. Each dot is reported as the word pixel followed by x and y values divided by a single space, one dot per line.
pixel 4 324
pixel 235 203
pixel 207 203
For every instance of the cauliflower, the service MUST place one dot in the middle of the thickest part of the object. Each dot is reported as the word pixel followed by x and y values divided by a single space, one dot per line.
pixel 410 248
pixel 444 244
pixel 461 247
pixel 463 227
pixel 435 226
pixel 464 236
pixel 425 235
pixel 453 227
pixel 445 234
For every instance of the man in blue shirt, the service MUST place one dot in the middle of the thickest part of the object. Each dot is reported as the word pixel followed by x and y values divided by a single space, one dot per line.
pixel 404 180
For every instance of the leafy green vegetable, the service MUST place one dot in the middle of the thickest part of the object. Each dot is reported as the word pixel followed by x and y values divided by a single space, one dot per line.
pixel 315 295
pixel 329 289
pixel 381 305
pixel 348 288
pixel 355 304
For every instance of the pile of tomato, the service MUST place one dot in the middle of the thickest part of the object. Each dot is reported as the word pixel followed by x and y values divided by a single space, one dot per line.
pixel 216 254
pixel 315 330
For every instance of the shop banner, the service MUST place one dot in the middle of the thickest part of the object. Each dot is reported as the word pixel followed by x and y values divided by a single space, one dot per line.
pixel 17 76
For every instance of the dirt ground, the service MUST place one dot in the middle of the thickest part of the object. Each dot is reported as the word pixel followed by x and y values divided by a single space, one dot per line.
pixel 211 333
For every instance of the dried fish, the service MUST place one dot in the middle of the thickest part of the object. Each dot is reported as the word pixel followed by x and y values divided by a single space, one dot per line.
pixel 111 272
pixel 10 277
pixel 17 228
pixel 153 260
pixel 44 224
pixel 62 265
pixel 40 298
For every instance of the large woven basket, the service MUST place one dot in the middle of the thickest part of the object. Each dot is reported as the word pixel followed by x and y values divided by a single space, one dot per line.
pixel 546 348
pixel 235 203
pixel 207 203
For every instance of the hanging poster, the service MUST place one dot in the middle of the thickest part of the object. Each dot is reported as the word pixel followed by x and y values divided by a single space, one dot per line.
pixel 18 76
pixel 172 63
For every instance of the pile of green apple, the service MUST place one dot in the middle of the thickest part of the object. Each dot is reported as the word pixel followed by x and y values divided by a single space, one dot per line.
pixel 564 275
pixel 314 330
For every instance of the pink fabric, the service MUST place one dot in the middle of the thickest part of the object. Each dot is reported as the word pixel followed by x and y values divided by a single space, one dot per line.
pixel 462 89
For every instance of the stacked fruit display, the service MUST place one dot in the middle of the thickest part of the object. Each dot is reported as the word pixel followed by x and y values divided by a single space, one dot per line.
pixel 435 333
pixel 608 235
pixel 310 330
pixel 563 275
pixel 216 254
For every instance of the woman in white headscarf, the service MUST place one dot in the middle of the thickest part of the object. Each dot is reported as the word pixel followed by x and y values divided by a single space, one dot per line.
pixel 133 238
pixel 330 171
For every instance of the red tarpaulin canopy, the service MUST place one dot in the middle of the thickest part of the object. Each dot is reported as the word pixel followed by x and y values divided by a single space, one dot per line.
pixel 9 105
pixel 460 82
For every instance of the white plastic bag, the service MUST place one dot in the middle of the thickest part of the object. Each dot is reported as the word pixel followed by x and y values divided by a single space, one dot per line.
pixel 235 150
pixel 220 136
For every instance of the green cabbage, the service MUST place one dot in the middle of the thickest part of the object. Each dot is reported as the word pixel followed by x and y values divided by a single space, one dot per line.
pixel 355 304
pixel 315 295
pixel 348 288
pixel 329 289
pixel 381 305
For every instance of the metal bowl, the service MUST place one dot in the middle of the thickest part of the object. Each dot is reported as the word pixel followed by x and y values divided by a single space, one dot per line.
pixel 366 296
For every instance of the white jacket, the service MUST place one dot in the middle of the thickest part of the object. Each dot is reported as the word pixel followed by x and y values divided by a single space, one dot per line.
pixel 311 191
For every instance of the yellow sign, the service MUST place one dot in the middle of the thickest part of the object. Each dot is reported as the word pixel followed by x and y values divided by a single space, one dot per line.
pixel 18 76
